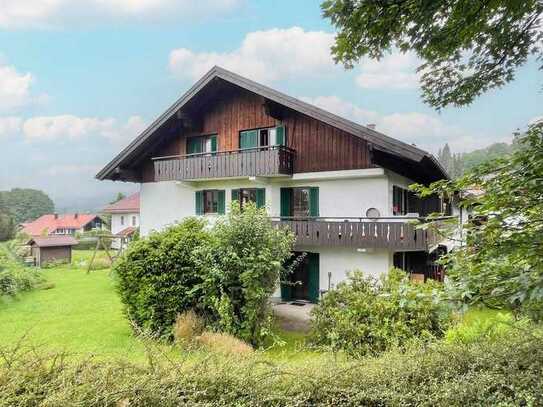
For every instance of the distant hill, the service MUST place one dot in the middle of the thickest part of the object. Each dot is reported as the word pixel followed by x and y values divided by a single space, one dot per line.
pixel 457 164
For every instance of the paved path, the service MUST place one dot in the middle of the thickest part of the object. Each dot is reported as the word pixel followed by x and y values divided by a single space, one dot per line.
pixel 293 317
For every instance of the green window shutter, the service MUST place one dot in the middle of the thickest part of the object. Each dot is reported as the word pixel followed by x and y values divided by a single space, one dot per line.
pixel 280 133
pixel 286 202
pixel 313 276
pixel 235 195
pixel 248 139
pixel 199 202
pixel 194 145
pixel 213 144
pixel 314 201
pixel 261 197
pixel 221 202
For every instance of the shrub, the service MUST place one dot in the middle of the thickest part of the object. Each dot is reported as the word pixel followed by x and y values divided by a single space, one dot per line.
pixel 243 266
pixel 187 327
pixel 367 316
pixel 15 278
pixel 508 372
pixel 158 277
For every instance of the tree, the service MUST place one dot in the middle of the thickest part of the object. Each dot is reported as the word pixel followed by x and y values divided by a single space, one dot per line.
pixel 501 262
pixel 120 196
pixel 7 224
pixel 467 47
pixel 27 204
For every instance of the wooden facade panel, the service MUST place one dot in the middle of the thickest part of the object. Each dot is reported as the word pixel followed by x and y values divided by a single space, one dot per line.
pixel 318 146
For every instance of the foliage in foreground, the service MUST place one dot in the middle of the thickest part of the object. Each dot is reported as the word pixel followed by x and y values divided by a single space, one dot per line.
pixel 506 372
pixel 365 316
pixel 467 47
pixel 225 274
pixel 501 263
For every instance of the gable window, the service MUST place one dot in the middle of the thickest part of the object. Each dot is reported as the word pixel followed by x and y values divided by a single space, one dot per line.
pixel 300 202
pixel 202 144
pixel 209 201
pixel 133 221
pixel 265 137
pixel 122 220
pixel 246 195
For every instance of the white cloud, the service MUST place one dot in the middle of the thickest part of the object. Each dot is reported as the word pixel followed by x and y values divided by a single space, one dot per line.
pixel 265 56
pixel 69 127
pixel 426 131
pixel 23 14
pixel 394 71
pixel 9 126
pixel 14 88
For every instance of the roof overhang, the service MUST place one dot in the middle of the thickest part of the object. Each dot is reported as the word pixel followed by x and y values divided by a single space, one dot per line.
pixel 119 167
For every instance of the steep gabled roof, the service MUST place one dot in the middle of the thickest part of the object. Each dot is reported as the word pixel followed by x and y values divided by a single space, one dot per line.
pixel 378 140
pixel 130 204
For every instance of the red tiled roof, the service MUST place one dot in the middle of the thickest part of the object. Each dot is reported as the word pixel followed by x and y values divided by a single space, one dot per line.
pixel 127 232
pixel 129 204
pixel 53 241
pixel 50 223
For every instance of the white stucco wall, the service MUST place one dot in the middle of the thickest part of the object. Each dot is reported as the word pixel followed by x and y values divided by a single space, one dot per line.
pixel 116 225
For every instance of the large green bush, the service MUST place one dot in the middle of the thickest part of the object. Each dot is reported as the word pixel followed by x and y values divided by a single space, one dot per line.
pixel 158 276
pixel 242 268
pixel 226 274
pixel 14 277
pixel 507 372
pixel 367 316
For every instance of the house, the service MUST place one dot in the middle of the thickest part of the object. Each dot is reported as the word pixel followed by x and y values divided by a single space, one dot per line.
pixel 125 219
pixel 66 224
pixel 341 187
pixel 50 249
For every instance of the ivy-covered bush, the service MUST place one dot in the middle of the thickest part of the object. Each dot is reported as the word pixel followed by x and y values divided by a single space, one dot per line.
pixel 364 315
pixel 158 277
pixel 242 268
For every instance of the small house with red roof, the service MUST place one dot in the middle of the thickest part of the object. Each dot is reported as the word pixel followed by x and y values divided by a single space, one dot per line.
pixel 125 218
pixel 62 224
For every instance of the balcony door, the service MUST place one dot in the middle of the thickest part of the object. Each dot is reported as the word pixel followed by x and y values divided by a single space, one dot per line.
pixel 303 282
pixel 302 202
pixel 202 144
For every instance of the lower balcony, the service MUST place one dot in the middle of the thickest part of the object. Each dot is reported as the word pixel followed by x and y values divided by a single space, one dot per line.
pixel 360 233
pixel 255 162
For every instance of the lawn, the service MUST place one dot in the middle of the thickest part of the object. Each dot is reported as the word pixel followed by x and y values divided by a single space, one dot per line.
pixel 82 314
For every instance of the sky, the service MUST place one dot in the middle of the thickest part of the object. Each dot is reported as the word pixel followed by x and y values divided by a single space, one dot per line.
pixel 79 79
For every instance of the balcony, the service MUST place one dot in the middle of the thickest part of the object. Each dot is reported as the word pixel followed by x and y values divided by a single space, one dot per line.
pixel 255 162
pixel 364 233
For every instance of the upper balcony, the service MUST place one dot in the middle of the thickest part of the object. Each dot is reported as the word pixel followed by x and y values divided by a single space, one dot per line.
pixel 399 234
pixel 269 161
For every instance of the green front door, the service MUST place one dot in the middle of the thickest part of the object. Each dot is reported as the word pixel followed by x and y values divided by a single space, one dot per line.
pixel 304 280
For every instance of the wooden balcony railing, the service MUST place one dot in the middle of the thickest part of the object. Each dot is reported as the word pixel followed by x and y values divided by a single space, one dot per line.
pixel 394 233
pixel 254 162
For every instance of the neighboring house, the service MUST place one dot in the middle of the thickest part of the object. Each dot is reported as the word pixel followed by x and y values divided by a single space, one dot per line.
pixel 66 224
pixel 341 187
pixel 125 219
pixel 50 249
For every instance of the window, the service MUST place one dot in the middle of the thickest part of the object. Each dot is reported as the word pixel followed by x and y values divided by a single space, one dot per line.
pixel 399 201
pixel 122 220
pixel 271 136
pixel 246 195
pixel 202 144
pixel 133 221
pixel 209 202
pixel 300 202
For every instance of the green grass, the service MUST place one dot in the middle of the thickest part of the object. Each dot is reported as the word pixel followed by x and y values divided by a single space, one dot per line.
pixel 80 314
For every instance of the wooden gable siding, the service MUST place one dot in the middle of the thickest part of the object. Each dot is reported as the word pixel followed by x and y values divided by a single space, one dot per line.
pixel 318 146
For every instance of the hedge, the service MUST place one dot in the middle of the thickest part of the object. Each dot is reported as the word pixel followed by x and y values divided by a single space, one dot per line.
pixel 507 372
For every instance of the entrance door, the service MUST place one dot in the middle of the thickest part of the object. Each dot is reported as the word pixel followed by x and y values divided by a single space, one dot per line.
pixel 304 280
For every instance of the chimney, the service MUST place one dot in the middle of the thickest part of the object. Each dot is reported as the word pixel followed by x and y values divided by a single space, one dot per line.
pixel 56 215
pixel 371 126
pixel 76 215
